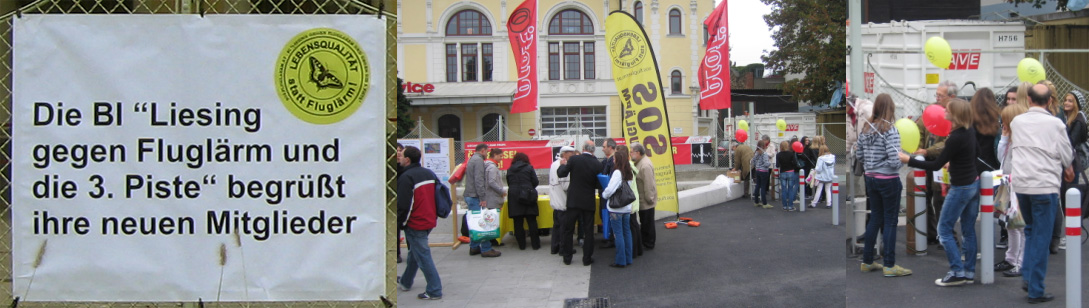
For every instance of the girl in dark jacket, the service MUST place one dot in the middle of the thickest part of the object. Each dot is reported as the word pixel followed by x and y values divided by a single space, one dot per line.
pixel 522 199
pixel 1075 126
pixel 808 158
pixel 985 123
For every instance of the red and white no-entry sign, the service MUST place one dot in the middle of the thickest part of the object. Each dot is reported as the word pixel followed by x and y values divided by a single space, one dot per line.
pixel 532 132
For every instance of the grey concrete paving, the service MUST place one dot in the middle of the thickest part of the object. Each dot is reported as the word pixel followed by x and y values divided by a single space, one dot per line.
pixel 518 278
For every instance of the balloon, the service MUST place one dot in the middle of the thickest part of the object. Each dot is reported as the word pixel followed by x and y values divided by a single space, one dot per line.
pixel 741 135
pixel 935 122
pixel 938 52
pixel 781 125
pixel 1031 71
pixel 798 146
pixel 743 125
pixel 909 135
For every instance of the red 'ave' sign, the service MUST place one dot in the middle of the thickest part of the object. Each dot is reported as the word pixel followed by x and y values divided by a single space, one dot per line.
pixel 965 61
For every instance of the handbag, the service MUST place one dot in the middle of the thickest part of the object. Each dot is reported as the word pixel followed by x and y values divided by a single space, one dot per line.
pixel 1015 221
pixel 858 169
pixel 483 225
pixel 622 197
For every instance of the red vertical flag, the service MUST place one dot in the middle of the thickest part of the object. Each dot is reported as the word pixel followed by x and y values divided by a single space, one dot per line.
pixel 522 30
pixel 714 73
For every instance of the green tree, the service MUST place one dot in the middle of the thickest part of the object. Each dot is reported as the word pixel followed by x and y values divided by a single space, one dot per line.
pixel 405 123
pixel 810 36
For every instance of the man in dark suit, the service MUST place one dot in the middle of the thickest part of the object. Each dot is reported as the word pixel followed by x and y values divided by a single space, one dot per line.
pixel 582 170
pixel 607 166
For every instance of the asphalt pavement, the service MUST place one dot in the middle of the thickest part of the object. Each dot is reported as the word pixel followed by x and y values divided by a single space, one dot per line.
pixel 740 256
pixel 918 290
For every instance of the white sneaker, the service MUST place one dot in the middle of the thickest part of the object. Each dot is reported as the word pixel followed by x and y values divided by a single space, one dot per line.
pixel 1062 243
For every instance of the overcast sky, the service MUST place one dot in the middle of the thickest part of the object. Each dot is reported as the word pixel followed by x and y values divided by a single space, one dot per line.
pixel 749 34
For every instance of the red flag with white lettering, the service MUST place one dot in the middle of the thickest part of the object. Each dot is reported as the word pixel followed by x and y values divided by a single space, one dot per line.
pixel 522 30
pixel 714 73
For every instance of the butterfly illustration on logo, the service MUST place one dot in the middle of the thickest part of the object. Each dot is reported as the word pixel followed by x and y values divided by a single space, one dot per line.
pixel 628 49
pixel 322 77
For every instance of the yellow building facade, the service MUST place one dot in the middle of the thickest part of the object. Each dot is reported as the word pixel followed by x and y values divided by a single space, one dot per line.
pixel 457 56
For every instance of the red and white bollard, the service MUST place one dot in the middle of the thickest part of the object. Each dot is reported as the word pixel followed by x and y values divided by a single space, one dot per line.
pixel 801 189
pixel 835 200
pixel 986 226
pixel 920 210
pixel 1073 249
pixel 774 183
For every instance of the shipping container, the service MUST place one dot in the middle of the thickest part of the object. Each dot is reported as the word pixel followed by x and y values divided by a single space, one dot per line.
pixel 898 65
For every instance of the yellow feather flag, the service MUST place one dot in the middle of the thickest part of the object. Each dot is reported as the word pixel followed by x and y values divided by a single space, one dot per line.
pixel 635 71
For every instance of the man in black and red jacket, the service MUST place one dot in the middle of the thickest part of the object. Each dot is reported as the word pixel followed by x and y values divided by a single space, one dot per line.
pixel 416 215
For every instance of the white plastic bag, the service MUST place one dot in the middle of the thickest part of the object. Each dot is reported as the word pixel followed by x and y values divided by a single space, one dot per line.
pixel 483 225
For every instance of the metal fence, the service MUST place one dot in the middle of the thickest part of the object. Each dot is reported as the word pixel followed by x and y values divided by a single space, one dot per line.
pixel 502 132
pixel 911 105
pixel 15 9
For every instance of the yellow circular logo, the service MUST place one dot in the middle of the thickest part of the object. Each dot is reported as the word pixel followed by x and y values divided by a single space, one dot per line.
pixel 629 48
pixel 322 76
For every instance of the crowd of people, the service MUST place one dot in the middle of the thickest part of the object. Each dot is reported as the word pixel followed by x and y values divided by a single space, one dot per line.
pixel 816 161
pixel 573 190
pixel 1031 137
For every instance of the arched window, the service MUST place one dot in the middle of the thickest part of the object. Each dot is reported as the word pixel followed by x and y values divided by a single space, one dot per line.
pixel 570 22
pixel 675 22
pixel 473 60
pixel 468 23
pixel 450 127
pixel 638 12
pixel 487 124
pixel 571 59
pixel 675 82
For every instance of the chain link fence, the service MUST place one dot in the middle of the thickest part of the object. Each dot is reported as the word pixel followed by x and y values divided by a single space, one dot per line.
pixel 13 9
pixel 911 103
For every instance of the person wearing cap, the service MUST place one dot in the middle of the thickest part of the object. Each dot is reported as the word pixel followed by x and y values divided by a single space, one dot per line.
pixel 557 193
pixel 582 169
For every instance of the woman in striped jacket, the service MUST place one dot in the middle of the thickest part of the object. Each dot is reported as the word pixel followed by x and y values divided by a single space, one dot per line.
pixel 877 148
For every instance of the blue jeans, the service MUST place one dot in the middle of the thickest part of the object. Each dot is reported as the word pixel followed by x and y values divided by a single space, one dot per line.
pixel 761 192
pixel 474 205
pixel 1039 213
pixel 883 195
pixel 620 223
pixel 788 188
pixel 419 257
pixel 962 202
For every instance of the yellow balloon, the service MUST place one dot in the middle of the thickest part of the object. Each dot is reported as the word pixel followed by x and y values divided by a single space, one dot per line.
pixel 781 125
pixel 909 135
pixel 1031 71
pixel 938 52
pixel 743 124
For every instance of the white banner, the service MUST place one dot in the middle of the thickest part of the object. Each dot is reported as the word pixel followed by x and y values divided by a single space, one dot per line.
pixel 177 157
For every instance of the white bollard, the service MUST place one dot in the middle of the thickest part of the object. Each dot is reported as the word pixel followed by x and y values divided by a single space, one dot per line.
pixel 801 189
pixel 1073 248
pixel 835 200
pixel 986 227
pixel 920 210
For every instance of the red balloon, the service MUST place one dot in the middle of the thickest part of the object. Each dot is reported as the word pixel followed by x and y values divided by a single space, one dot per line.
pixel 798 147
pixel 935 122
pixel 741 135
